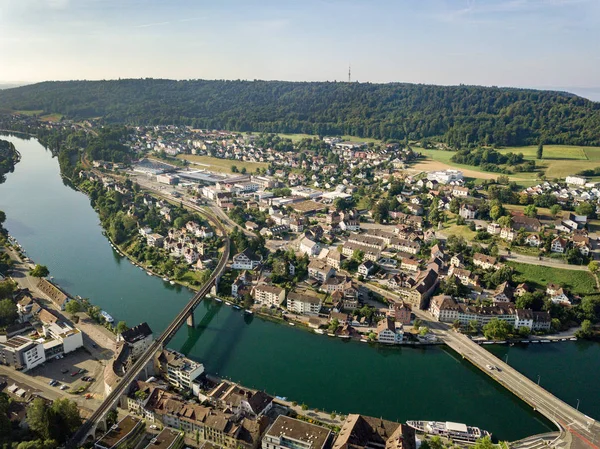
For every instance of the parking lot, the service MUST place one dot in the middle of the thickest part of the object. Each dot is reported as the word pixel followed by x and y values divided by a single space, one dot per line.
pixel 70 370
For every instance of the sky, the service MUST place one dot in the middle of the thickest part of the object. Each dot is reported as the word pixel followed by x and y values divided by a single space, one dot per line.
pixel 522 43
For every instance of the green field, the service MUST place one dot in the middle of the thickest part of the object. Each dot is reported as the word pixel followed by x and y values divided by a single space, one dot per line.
pixel 29 113
pixel 558 161
pixel 577 282
pixel 221 165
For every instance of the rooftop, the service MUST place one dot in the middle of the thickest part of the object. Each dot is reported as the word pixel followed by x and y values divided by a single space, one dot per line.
pixel 290 428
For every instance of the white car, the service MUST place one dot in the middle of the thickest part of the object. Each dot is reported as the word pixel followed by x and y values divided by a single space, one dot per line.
pixel 153 427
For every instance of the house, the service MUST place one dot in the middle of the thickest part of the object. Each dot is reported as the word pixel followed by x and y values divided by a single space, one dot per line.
pixel 468 211
pixel 400 311
pixel 246 260
pixel 522 289
pixel 542 321
pixel 527 223
pixel 444 308
pixel 389 332
pixel 503 293
pixel 508 234
pixel 138 339
pixel 485 262
pixel 460 191
pixel 409 264
pixel 582 243
pixel 494 229
pixel 251 226
pixel 319 270
pixel 576 180
pixel 436 252
pixel 457 260
pixel 309 247
pixel 365 432
pixel 524 319
pixel 366 268
pixel 303 304
pixel 559 245
pixel 560 297
pixel 334 258
pixel 269 295
pixel 533 240
pixel 350 224
pixel 177 369
pixel 155 240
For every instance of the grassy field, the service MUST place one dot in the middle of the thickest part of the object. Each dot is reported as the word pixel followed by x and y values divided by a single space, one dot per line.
pixel 29 113
pixel 221 165
pixel 577 282
pixel 51 117
pixel 559 161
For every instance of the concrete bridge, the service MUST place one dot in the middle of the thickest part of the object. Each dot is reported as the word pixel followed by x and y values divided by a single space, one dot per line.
pixel 97 420
pixel 575 429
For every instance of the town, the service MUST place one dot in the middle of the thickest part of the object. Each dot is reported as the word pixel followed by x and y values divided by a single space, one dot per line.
pixel 340 237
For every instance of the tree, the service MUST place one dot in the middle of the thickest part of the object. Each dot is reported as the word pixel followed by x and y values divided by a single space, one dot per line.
pixel 40 271
pixel 121 327
pixel 8 312
pixel 586 330
pixel 73 307
pixel 423 331
pixel 417 323
pixel 243 170
pixel 304 407
pixel 234 169
pixel 37 418
pixel 554 210
pixel 530 211
pixel 593 266
pixel 484 443
pixel 2 217
pixel 496 212
pixel 496 329
pixel 112 415
pixel 505 221
pixel 540 151
pixel 333 325
pixel 586 209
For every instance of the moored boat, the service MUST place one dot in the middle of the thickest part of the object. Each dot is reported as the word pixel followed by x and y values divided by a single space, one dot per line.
pixel 236 307
pixel 249 312
pixel 455 431
pixel 107 317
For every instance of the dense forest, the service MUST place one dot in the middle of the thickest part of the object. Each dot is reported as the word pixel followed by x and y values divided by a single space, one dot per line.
pixel 491 160
pixel 460 116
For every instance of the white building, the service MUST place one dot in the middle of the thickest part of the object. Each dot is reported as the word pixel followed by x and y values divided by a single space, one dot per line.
pixel 246 260
pixel 319 270
pixel 269 295
pixel 303 304
pixel 138 338
pixel 290 433
pixel 71 338
pixel 445 176
pixel 179 370
pixel 22 353
pixel 309 247
pixel 577 180
pixel 390 332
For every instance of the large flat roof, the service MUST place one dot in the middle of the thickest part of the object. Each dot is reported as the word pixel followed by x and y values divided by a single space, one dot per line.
pixel 286 427
pixel 164 440
pixel 118 432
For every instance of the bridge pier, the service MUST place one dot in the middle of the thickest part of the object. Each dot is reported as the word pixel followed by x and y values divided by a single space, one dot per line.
pixel 190 320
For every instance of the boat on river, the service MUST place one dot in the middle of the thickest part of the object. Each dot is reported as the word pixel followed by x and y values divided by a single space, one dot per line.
pixel 249 312
pixel 107 317
pixel 172 282
pixel 227 303
pixel 452 430
pixel 319 331
pixel 217 299
pixel 236 307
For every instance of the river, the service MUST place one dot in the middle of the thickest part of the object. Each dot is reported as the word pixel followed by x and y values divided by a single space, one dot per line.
pixel 58 228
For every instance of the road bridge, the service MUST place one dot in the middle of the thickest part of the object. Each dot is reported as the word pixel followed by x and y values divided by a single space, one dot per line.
pixel 576 430
pixel 111 401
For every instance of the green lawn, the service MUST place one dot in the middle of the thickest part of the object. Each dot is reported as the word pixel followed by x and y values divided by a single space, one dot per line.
pixel 221 165
pixel 30 113
pixel 577 282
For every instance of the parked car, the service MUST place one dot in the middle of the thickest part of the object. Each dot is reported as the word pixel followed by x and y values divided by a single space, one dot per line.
pixel 64 370
pixel 64 387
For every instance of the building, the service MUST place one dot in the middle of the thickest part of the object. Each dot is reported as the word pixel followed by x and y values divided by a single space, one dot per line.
pixel 319 270
pixel 389 332
pixel 167 179
pixel 484 314
pixel 366 268
pixel 167 439
pixel 177 369
pixel 303 304
pixel 508 234
pixel 22 353
pixel 138 338
pixel 126 433
pixel 494 229
pixel 559 245
pixel 444 308
pixel 460 191
pixel 400 311
pixel 576 180
pixel 484 261
pixel 269 295
pixel 155 240
pixel 290 433
pixel 246 260
pixel 445 176
pixel 365 432
pixel 309 247
pixel 70 338
pixel 334 258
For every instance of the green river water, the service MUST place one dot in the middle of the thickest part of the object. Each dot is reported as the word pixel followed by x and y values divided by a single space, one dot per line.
pixel 58 228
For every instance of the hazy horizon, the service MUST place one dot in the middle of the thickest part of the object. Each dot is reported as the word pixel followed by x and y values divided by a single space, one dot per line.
pixel 519 43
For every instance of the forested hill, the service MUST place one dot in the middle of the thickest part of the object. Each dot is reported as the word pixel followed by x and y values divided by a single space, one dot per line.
pixel 457 115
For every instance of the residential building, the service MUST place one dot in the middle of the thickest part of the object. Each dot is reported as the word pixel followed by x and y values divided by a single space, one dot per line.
pixel 334 258
pixel 70 338
pixel 303 304
pixel 390 332
pixel 485 262
pixel 246 260
pixel 533 240
pixel 366 268
pixel 559 245
pixel 508 234
pixel 155 240
pixel 177 369
pixel 400 311
pixel 494 229
pixel 290 433
pixel 309 247
pixel 484 314
pixel 138 338
pixel 444 308
pixel 365 432
pixel 319 270
pixel 460 191
pixel 167 439
pixel 269 295
pixel 576 180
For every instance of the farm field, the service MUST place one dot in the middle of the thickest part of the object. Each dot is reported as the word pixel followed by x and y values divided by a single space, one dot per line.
pixel 221 165
pixel 559 161
pixel 577 282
